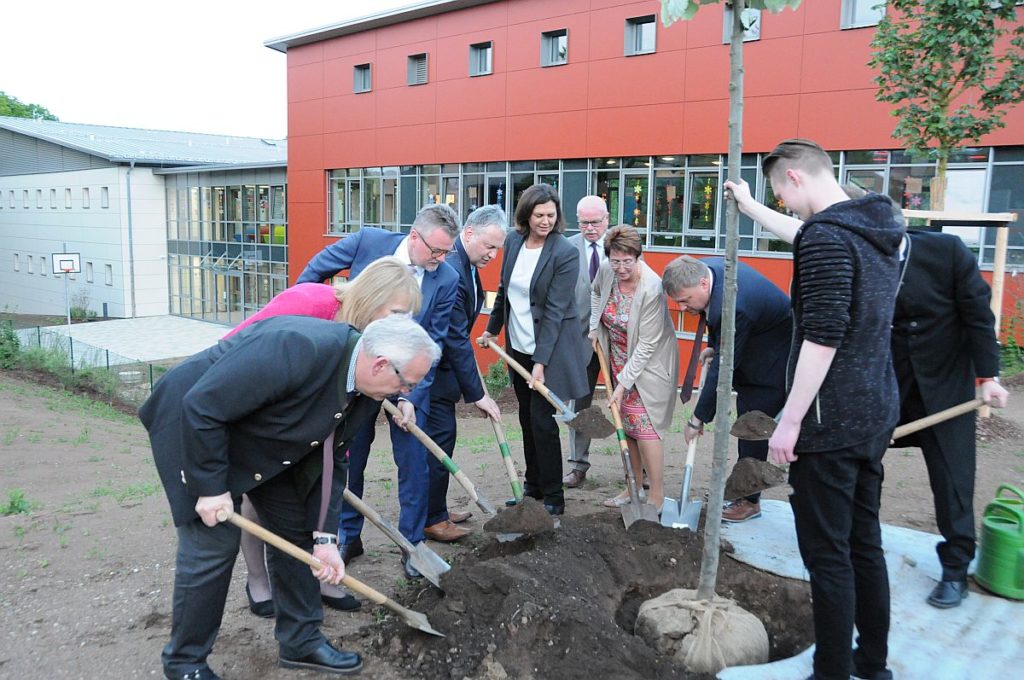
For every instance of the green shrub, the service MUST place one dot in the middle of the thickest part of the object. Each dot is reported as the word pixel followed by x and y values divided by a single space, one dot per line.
pixel 16 504
pixel 10 346
pixel 497 378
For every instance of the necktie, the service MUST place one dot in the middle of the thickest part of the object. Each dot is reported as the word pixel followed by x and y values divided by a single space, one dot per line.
pixel 595 260
pixel 686 391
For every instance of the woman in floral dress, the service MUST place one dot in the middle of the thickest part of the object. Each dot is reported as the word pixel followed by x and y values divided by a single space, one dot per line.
pixel 630 319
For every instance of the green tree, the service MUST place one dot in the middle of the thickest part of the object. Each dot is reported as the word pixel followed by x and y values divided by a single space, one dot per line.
pixel 951 73
pixel 672 11
pixel 12 106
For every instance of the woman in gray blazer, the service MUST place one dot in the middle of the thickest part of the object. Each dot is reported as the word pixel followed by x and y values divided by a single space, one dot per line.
pixel 536 307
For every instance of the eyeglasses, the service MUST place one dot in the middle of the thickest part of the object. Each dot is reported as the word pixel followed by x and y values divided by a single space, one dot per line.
pixel 621 264
pixel 434 252
pixel 406 385
pixel 585 224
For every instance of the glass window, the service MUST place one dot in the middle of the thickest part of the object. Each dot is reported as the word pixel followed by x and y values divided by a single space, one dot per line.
pixel 42 265
pixel 473 193
pixel 389 198
pixel 574 187
pixel 88 271
pixel 39 199
pixel 751 19
pixel 85 197
pixel 409 203
pixel 108 274
pixel 67 198
pixel 450 192
pixel 30 260
pixel 554 47
pixel 416 69
pixel 866 157
pixel 860 13
pixel 634 201
pixel 910 187
pixel 608 188
pixel 669 203
pixel 521 181
pixel 219 214
pixel 24 198
pixel 869 180
pixel 362 80
pixel 766 241
pixel 104 197
pixel 481 59
pixel 430 188
pixel 640 35
pixel 702 208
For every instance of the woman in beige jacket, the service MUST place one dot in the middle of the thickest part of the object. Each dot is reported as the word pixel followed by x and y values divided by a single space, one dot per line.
pixel 630 319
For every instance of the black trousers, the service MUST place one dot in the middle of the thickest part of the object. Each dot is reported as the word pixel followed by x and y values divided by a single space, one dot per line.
pixel 205 560
pixel 579 444
pixel 542 447
pixel 835 504
pixel 954 511
pixel 441 426
pixel 764 399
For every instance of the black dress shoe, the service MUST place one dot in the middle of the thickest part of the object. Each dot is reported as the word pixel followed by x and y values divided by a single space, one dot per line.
pixel 884 674
pixel 264 610
pixel 326 659
pixel 410 571
pixel 345 603
pixel 352 550
pixel 948 594
pixel 527 492
pixel 204 673
pixel 555 508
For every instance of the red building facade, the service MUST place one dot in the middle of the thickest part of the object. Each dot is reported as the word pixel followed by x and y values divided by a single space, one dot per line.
pixel 470 101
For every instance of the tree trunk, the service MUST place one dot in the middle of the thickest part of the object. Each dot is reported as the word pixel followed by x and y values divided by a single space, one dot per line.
pixel 713 521
pixel 938 187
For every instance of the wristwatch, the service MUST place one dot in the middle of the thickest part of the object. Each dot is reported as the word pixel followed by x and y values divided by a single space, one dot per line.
pixel 325 540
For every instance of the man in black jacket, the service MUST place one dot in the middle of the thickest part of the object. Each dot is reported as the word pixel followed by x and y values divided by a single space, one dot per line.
pixel 843 399
pixel 254 414
pixel 943 336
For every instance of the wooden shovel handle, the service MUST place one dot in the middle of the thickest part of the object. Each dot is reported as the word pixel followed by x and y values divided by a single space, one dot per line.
pixel 518 368
pixel 298 553
pixel 608 386
pixel 935 418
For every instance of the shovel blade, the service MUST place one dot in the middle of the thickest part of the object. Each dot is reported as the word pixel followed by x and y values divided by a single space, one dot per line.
pixel 632 513
pixel 674 517
pixel 418 621
pixel 429 563
pixel 484 504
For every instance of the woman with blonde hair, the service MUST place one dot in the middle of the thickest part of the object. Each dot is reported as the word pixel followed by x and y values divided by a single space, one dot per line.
pixel 629 319
pixel 385 287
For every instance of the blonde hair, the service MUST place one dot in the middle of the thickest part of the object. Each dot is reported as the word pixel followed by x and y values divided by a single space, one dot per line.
pixel 384 281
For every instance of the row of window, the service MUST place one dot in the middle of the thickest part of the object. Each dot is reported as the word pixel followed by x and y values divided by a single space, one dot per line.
pixel 226 293
pixel 640 37
pixel 239 214
pixel 26 193
pixel 674 201
pixel 44 264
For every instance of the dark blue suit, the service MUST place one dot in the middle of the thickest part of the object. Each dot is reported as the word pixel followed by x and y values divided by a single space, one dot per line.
pixel 440 289
pixel 456 377
pixel 764 324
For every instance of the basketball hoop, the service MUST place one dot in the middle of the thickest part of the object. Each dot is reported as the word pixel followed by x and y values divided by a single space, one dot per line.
pixel 68 269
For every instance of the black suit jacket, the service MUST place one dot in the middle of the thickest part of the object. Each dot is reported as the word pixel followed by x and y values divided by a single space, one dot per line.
pixel 256 405
pixel 456 375
pixel 943 333
pixel 764 325
pixel 560 346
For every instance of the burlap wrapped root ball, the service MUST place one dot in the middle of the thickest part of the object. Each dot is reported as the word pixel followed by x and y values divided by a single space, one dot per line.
pixel 703 636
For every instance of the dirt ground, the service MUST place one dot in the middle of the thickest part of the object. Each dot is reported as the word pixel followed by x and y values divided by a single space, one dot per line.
pixel 86 574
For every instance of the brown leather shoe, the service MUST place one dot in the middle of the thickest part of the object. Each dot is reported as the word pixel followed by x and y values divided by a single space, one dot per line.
pixel 445 532
pixel 459 516
pixel 741 511
pixel 574 478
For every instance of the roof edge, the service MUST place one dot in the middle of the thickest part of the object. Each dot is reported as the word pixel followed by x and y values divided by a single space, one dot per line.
pixel 397 15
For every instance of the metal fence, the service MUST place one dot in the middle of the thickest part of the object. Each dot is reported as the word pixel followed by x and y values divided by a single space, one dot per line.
pixel 132 379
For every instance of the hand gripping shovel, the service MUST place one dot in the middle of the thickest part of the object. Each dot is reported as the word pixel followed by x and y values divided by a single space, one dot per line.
pixel 589 422
pixel 506 454
pixel 411 618
pixel 448 463
pixel 686 513
pixel 636 508
pixel 426 561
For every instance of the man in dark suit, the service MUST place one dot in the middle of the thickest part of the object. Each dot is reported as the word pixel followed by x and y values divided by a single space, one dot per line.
pixel 764 325
pixel 425 248
pixel 592 219
pixel 456 377
pixel 220 428
pixel 943 336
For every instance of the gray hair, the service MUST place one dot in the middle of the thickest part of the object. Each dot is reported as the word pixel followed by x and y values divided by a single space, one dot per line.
pixel 434 216
pixel 486 216
pixel 683 272
pixel 398 339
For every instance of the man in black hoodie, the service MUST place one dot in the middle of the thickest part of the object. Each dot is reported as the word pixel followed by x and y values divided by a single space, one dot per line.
pixel 843 401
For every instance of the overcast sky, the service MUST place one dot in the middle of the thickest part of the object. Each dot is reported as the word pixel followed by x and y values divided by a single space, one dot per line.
pixel 194 65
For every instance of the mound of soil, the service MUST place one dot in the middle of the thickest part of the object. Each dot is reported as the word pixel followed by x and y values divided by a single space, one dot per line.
pixel 562 604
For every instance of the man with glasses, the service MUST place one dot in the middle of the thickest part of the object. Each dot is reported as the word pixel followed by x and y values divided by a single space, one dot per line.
pixel 592 219
pixel 219 429
pixel 424 250
pixel 761 348
pixel 457 377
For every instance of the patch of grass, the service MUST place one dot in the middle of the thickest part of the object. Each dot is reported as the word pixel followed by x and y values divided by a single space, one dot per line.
pixel 11 435
pixel 137 491
pixel 17 504
pixel 477 444
pixel 19 533
pixel 387 485
pixel 514 434
pixel 82 437
pixel 94 459
pixel 96 553
pixel 44 563
pixel 33 438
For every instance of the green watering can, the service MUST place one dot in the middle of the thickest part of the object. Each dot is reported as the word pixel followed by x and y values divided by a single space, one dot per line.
pixel 1001 560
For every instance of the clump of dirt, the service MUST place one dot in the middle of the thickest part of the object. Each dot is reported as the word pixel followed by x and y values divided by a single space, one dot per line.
pixel 562 604
pixel 750 476
pixel 528 517
pixel 592 423
pixel 753 425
